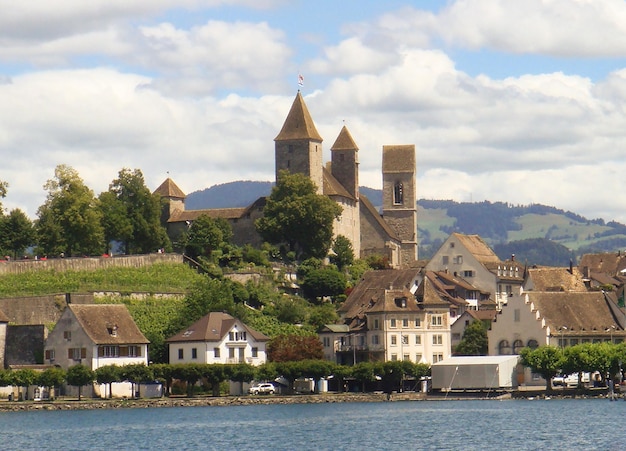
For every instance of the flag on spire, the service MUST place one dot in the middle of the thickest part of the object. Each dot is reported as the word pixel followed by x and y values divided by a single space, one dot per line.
pixel 300 80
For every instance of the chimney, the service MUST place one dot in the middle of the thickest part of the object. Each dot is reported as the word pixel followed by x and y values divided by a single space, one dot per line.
pixel 512 257
pixel 571 266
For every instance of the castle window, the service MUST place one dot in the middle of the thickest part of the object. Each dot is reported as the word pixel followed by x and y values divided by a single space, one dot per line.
pixel 290 148
pixel 398 193
pixel 341 157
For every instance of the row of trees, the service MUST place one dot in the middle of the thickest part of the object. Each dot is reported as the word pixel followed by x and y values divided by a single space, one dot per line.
pixel 73 221
pixel 391 374
pixel 548 361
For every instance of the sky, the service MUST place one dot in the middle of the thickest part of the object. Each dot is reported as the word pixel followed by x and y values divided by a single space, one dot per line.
pixel 519 102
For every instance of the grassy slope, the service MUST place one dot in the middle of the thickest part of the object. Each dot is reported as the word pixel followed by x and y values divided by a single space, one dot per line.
pixel 163 278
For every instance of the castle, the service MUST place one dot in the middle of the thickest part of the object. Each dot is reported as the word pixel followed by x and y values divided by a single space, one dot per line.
pixel 298 149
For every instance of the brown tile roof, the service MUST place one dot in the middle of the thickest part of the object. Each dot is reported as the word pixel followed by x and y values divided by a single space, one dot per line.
pixel 299 123
pixel 429 293
pixel 443 286
pixel 609 263
pixel 483 315
pixel 97 320
pixel 192 215
pixel 332 187
pixel 556 279
pixel 213 327
pixel 371 289
pixel 169 189
pixel 478 248
pixel 581 313
pixel 399 158
pixel 3 317
pixel 344 141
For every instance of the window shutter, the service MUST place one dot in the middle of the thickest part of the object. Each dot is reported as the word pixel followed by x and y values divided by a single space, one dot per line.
pixel 123 351
pixel 83 353
pixel 47 354
pixel 70 355
pixel 100 351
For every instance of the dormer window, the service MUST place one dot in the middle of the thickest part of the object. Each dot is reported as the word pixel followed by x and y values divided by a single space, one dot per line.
pixel 401 302
pixel 112 330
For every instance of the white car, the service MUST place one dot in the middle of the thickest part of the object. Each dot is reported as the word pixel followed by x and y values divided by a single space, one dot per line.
pixel 570 381
pixel 262 389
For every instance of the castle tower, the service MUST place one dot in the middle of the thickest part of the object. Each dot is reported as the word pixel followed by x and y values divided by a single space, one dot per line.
pixel 298 146
pixel 400 197
pixel 174 197
pixel 345 162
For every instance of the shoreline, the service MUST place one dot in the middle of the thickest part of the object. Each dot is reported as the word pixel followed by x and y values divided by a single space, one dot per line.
pixel 246 400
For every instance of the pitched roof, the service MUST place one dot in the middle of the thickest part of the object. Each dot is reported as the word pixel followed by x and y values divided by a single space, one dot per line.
pixel 344 141
pixel 100 320
pixel 579 312
pixel 477 247
pixel 609 262
pixel 399 158
pixel 192 215
pixel 213 327
pixel 368 207
pixel 372 286
pixel 169 189
pixel 299 123
pixel 332 187
pixel 555 279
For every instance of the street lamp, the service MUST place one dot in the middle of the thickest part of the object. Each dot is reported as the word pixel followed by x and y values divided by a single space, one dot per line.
pixel 562 328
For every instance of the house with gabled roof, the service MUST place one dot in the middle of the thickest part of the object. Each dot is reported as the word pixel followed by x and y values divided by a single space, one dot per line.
pixel 604 270
pixel 95 335
pixel 391 315
pixel 218 338
pixel 468 256
pixel 556 318
pixel 298 149
pixel 548 278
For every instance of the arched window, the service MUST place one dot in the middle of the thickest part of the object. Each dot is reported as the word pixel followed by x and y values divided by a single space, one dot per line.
pixel 504 348
pixel 517 346
pixel 398 193
pixel 532 344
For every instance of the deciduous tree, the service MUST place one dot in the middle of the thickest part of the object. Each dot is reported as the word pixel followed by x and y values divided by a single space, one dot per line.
pixel 78 376
pixel 206 235
pixel 544 360
pixel 296 215
pixel 69 220
pixel 474 341
pixel 16 232
pixel 285 348
pixel 132 214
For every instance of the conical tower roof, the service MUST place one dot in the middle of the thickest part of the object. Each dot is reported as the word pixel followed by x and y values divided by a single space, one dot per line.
pixel 169 189
pixel 344 141
pixel 299 123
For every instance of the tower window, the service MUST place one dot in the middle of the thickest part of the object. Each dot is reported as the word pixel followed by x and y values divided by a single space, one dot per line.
pixel 398 193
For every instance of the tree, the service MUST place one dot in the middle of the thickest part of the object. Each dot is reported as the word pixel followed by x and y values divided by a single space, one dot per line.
pixel 206 235
pixel 240 372
pixel 107 375
pixel 51 378
pixel 132 214
pixel 285 348
pixel 136 374
pixel 296 215
pixel 4 186
pixel 343 252
pixel 78 376
pixel 16 232
pixel 474 341
pixel 69 220
pixel 544 360
pixel 322 282
pixel 24 377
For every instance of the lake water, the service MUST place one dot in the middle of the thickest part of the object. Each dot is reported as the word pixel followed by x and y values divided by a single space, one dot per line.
pixel 418 425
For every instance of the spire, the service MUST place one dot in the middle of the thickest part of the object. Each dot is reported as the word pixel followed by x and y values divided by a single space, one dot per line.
pixel 344 141
pixel 169 189
pixel 299 123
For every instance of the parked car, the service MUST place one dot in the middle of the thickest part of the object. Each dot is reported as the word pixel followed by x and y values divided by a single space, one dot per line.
pixel 262 389
pixel 570 380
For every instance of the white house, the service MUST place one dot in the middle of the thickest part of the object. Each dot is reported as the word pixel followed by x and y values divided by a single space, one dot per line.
pixel 218 338
pixel 97 335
